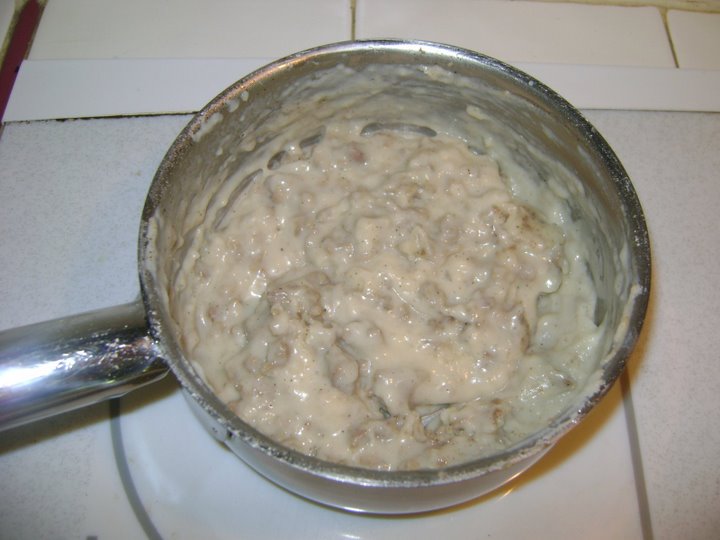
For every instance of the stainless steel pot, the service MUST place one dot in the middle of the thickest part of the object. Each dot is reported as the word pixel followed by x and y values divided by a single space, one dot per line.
pixel 60 365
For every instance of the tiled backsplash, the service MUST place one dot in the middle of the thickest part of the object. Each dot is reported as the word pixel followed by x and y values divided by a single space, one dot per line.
pixel 578 30
pixel 225 29
pixel 654 33
pixel 597 56
pixel 695 39
pixel 526 31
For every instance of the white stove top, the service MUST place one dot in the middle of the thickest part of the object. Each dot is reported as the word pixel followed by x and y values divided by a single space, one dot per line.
pixel 72 193
pixel 145 464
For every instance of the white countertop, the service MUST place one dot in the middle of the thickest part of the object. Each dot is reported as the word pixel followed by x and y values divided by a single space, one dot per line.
pixel 643 465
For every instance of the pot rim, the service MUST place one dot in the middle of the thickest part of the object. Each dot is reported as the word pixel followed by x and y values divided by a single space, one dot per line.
pixel 611 366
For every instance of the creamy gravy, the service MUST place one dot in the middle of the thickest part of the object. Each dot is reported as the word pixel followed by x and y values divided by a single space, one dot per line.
pixel 389 297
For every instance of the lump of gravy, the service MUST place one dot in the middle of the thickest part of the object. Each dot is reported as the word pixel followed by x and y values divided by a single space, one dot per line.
pixel 383 296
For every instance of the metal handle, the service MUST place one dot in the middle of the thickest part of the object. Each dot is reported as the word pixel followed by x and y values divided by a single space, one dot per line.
pixel 56 366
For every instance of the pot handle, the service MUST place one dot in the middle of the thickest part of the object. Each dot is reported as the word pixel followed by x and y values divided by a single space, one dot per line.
pixel 60 365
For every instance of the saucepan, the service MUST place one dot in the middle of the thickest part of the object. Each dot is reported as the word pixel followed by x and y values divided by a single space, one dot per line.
pixel 56 366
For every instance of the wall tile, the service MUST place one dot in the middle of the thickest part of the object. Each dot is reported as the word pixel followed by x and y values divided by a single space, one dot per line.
pixel 72 29
pixel 696 39
pixel 526 31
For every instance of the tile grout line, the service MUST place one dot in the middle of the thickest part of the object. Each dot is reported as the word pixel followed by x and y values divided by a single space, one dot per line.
pixel 636 457
pixel 353 18
pixel 666 25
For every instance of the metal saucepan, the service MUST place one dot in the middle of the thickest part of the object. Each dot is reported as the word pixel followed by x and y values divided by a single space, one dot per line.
pixel 52 367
